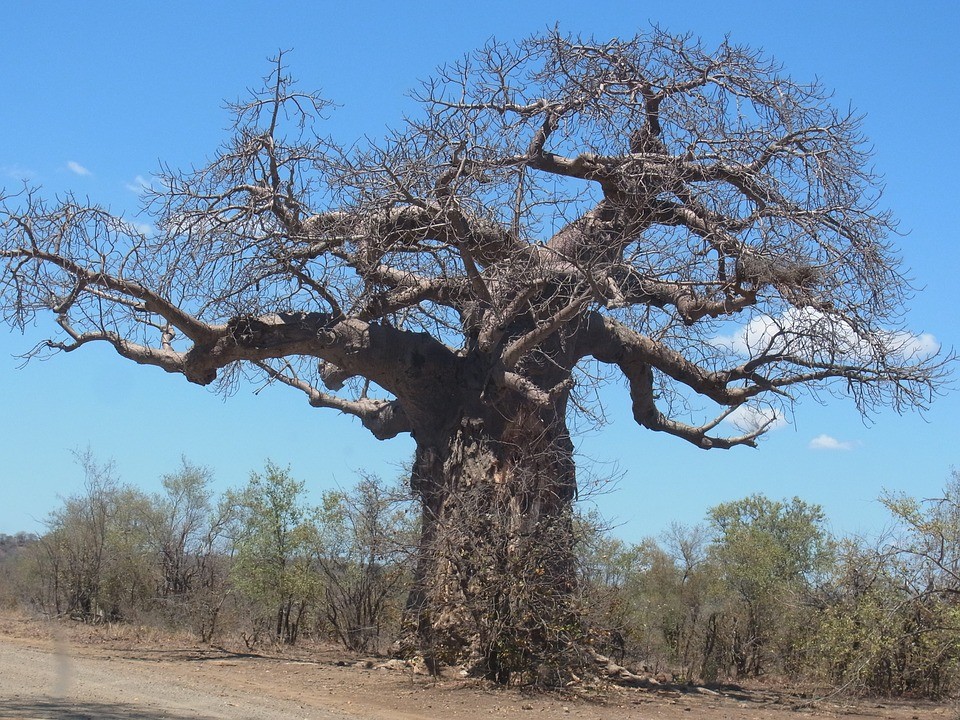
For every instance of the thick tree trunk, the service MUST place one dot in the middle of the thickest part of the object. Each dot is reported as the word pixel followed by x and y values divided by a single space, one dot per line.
pixel 495 571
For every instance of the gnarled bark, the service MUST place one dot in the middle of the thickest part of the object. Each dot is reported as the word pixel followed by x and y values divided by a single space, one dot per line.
pixel 495 561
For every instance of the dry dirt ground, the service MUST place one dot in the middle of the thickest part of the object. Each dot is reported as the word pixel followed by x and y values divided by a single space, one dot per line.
pixel 68 671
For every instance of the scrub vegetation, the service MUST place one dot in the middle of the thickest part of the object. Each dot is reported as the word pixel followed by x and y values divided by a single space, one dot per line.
pixel 759 591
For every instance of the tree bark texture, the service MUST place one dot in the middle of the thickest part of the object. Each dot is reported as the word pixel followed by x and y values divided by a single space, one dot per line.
pixel 495 563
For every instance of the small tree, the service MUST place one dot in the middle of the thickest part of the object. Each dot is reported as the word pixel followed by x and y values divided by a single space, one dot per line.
pixel 186 533
pixel 365 541
pixel 95 561
pixel 607 569
pixel 929 540
pixel 273 536
pixel 771 554
pixel 925 566
pixel 694 601
pixel 856 639
pixel 16 553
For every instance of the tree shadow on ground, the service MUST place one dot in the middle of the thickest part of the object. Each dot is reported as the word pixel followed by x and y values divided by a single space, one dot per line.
pixel 73 710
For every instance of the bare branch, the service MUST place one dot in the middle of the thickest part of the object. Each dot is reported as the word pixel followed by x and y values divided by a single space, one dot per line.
pixel 384 418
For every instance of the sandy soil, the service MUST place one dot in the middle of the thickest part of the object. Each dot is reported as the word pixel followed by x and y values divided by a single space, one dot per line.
pixel 67 671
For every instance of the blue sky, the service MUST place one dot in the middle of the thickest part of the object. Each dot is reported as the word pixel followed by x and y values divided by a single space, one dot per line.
pixel 96 94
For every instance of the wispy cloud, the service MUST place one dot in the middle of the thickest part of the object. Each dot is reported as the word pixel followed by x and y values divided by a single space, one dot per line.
pixel 145 229
pixel 922 345
pixel 138 185
pixel 77 169
pixel 827 442
pixel 806 332
pixel 16 172
pixel 747 418
pixel 137 228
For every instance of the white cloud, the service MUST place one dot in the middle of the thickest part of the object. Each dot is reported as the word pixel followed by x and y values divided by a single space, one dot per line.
pixel 826 442
pixel 77 169
pixel 137 228
pixel 808 333
pixel 138 185
pixel 16 172
pixel 747 418
pixel 914 346
pixel 145 229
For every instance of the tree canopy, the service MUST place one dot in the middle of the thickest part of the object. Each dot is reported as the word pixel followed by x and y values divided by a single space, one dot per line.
pixel 618 200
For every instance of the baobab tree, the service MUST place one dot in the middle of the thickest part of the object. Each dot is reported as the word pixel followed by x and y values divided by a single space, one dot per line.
pixel 558 207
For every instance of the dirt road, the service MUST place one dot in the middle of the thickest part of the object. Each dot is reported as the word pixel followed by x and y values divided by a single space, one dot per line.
pixel 56 683
pixel 67 671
